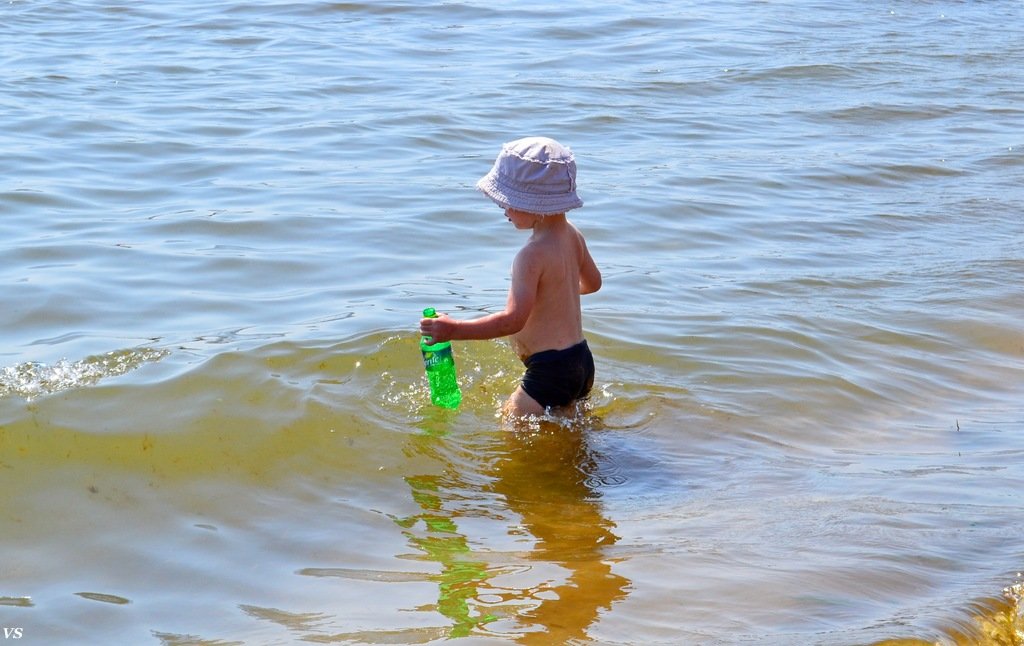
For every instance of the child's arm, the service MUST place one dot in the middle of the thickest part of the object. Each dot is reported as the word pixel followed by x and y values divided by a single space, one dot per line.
pixel 521 298
pixel 590 275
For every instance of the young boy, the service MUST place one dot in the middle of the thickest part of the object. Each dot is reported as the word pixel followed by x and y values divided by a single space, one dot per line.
pixel 534 180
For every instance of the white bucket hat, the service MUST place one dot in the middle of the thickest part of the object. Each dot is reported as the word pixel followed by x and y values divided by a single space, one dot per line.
pixel 534 174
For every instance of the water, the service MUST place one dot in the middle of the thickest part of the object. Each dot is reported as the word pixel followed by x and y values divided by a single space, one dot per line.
pixel 220 222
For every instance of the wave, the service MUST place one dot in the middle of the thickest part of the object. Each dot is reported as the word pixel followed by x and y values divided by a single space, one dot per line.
pixel 30 380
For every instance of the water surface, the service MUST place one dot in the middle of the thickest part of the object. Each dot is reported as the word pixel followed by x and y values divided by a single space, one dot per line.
pixel 220 222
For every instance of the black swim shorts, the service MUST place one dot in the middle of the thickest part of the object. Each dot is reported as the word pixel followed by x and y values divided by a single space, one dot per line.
pixel 559 377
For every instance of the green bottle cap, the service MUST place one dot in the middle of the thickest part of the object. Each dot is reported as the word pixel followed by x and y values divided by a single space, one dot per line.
pixel 430 313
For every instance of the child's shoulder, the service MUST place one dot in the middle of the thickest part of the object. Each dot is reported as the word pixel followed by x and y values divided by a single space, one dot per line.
pixel 554 245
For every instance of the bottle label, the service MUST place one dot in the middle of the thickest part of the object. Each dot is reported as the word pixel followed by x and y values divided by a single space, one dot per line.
pixel 432 359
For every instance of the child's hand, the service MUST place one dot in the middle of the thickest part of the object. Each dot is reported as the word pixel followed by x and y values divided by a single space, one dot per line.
pixel 439 329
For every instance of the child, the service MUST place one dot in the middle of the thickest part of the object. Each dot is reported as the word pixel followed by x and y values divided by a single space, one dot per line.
pixel 534 180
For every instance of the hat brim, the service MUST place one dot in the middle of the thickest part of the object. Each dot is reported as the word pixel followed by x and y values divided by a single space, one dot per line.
pixel 509 198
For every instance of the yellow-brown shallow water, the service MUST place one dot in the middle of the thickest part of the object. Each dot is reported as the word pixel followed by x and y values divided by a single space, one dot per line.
pixel 220 222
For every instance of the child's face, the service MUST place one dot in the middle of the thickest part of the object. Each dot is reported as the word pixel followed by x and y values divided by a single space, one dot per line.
pixel 521 219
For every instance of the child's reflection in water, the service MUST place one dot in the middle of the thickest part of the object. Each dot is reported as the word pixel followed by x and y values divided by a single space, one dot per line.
pixel 551 593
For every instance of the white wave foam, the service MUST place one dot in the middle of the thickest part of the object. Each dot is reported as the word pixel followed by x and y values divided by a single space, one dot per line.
pixel 32 379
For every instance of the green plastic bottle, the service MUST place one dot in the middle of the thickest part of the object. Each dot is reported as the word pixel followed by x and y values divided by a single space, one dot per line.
pixel 440 365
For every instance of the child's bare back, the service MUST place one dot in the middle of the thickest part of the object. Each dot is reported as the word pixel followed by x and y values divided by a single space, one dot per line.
pixel 557 262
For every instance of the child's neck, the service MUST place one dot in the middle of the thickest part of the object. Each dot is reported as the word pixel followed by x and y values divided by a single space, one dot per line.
pixel 548 223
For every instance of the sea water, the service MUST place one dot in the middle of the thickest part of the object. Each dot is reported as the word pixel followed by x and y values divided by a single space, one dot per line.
pixel 805 428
